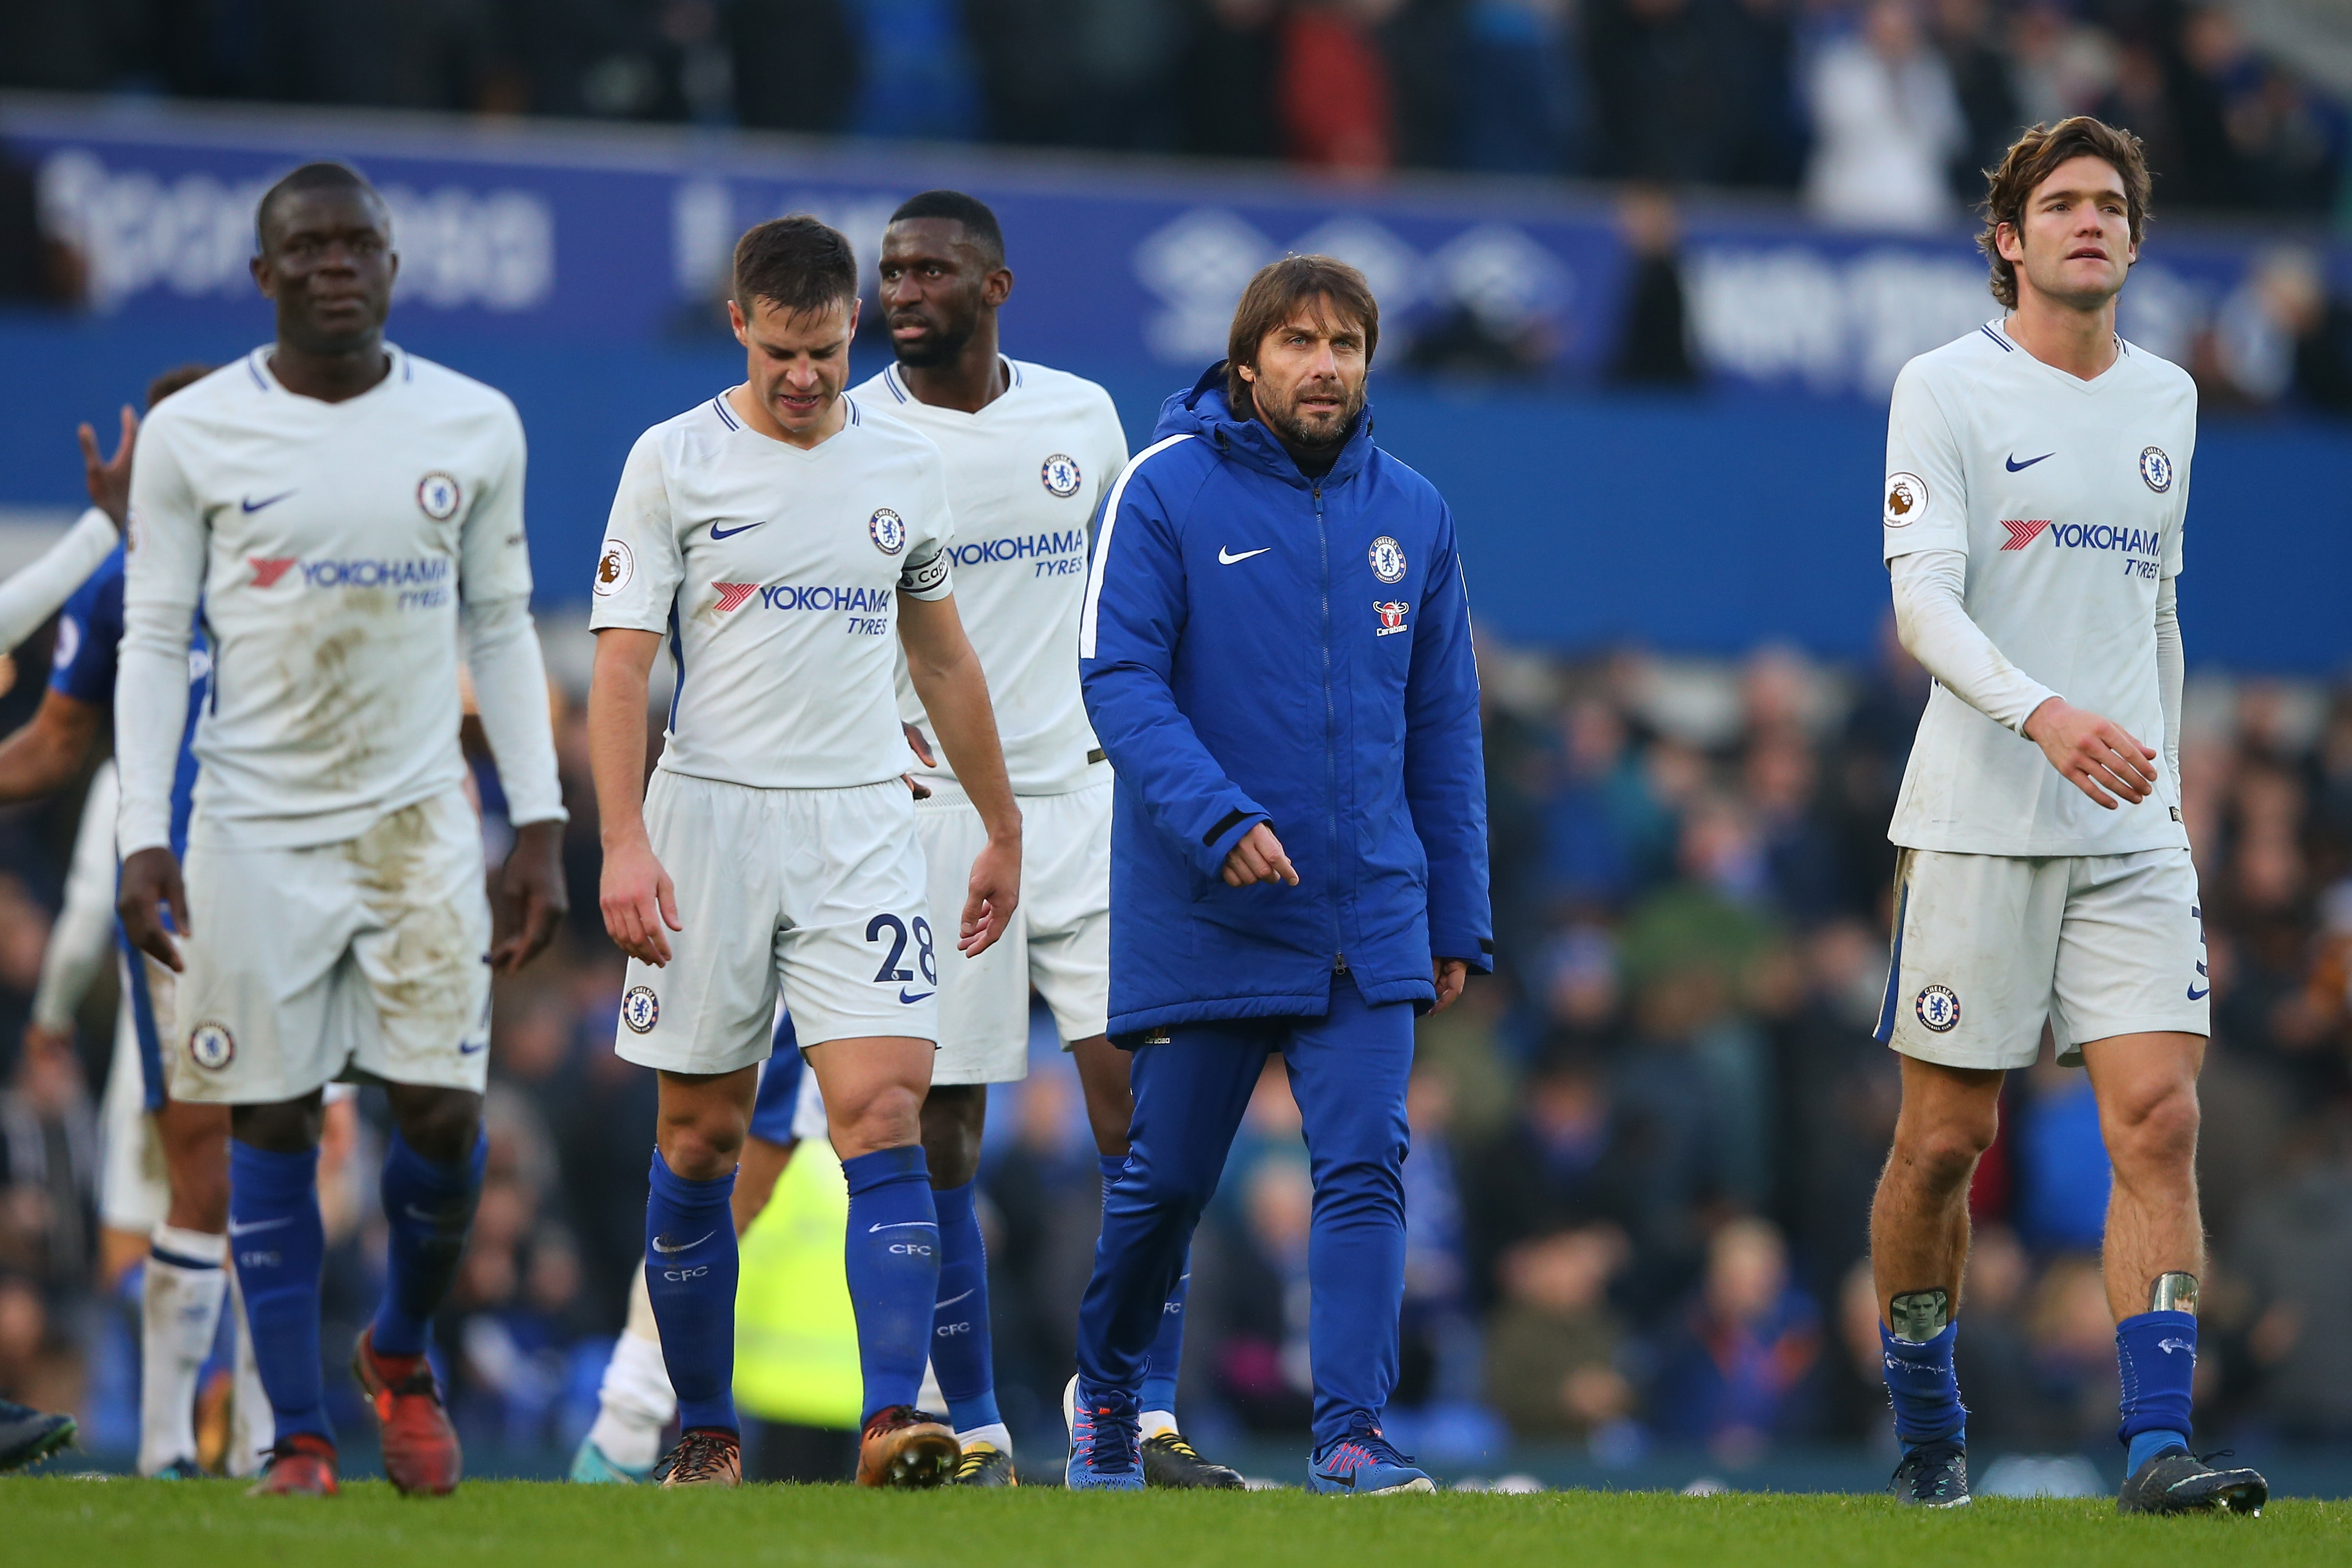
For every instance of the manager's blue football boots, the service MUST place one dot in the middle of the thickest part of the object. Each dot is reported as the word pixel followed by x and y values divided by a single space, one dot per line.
pixel 1364 1464
pixel 1105 1434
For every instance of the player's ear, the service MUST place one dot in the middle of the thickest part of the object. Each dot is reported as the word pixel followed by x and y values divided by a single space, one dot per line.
pixel 2006 240
pixel 735 320
pixel 856 300
pixel 996 287
pixel 260 266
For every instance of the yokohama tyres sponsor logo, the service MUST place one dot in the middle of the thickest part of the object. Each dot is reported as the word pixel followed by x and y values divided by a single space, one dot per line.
pixel 732 595
pixel 2023 531
pixel 268 570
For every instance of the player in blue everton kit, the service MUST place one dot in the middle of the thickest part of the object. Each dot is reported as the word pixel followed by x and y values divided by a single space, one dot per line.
pixel 1275 653
pixel 183 1280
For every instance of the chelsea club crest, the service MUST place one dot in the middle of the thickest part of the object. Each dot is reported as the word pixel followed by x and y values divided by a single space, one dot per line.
pixel 1387 556
pixel 888 531
pixel 1061 476
pixel 2156 468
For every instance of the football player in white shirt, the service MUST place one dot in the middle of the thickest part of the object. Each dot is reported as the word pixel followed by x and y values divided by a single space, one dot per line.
pixel 344 512
pixel 782 537
pixel 1030 452
pixel 2037 485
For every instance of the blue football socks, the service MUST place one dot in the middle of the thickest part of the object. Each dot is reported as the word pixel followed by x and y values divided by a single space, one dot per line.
pixel 961 1352
pixel 1920 1381
pixel 278 1245
pixel 893 1261
pixel 2157 1354
pixel 428 1208
pixel 690 1269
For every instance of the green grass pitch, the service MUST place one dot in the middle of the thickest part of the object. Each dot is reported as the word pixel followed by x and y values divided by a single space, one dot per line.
pixel 70 1523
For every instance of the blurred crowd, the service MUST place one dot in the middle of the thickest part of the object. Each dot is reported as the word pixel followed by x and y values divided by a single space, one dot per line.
pixel 1643 1152
pixel 1882 110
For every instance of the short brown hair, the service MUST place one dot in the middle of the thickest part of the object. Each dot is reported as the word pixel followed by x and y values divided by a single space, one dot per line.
pixel 176 379
pixel 1277 294
pixel 2034 157
pixel 795 264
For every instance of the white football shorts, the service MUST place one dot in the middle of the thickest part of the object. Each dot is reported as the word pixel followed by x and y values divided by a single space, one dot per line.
pixel 1059 939
pixel 825 886
pixel 1986 947
pixel 135 1190
pixel 362 960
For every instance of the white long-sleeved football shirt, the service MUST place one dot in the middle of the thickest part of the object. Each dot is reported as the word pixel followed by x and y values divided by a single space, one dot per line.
pixel 2067 499
pixel 773 571
pixel 329 545
pixel 1025 474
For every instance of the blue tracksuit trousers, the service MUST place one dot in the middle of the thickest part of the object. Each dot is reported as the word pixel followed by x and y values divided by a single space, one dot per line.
pixel 1348 1072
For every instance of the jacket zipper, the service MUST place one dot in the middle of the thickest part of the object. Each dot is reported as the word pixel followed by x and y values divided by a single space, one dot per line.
pixel 1330 736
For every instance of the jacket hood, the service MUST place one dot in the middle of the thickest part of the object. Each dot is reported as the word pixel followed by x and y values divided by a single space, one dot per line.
pixel 1204 411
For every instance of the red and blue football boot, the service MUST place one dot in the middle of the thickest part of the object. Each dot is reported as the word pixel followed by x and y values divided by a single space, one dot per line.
pixel 1364 1464
pixel 1105 1434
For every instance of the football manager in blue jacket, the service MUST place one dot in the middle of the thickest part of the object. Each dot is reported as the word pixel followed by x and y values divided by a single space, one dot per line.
pixel 1275 652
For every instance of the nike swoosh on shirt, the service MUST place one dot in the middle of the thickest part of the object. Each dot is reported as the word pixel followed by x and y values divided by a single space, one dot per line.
pixel 1226 557
pixel 718 533
pixel 2197 996
pixel 250 505
pixel 2017 467
pixel 916 998
pixel 663 1245
pixel 480 1045
pixel 247 1230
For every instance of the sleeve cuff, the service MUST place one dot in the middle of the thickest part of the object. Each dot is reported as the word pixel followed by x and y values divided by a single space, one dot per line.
pixel 1230 829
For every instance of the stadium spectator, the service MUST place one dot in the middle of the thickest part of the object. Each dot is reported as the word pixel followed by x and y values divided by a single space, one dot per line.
pixel 1739 1371
pixel 1553 1343
pixel 1886 126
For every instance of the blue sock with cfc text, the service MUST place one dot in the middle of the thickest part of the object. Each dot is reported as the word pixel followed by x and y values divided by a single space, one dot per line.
pixel 428 1208
pixel 892 1255
pixel 278 1245
pixel 2156 1353
pixel 960 1352
pixel 690 1269
pixel 1926 1392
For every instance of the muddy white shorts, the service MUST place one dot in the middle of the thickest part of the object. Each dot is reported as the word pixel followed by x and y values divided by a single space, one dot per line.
pixel 824 887
pixel 1059 939
pixel 1986 947
pixel 362 960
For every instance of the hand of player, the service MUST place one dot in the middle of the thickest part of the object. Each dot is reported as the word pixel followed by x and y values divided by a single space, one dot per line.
pixel 991 897
pixel 1258 858
pixel 528 898
pixel 109 481
pixel 1451 975
pixel 2094 754
pixel 151 882
pixel 639 900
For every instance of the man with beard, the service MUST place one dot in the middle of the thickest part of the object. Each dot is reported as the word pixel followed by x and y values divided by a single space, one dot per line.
pixel 1030 452
pixel 1274 651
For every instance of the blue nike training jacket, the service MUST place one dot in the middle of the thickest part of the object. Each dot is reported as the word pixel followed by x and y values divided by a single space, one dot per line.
pixel 1258 647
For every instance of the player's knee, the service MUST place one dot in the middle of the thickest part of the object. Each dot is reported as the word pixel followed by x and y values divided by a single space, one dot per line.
pixel 2155 1132
pixel 440 1125
pixel 890 1117
pixel 702 1148
pixel 1946 1151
